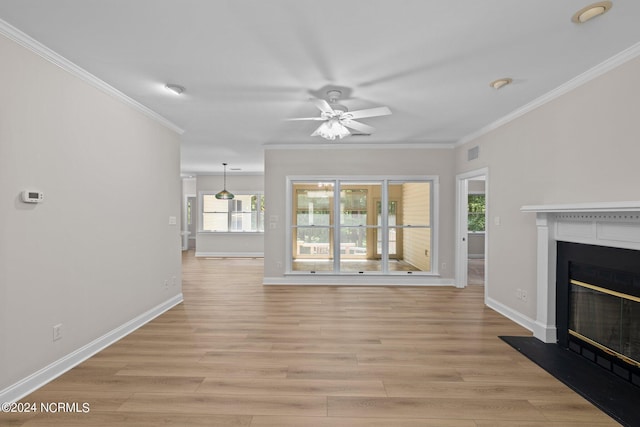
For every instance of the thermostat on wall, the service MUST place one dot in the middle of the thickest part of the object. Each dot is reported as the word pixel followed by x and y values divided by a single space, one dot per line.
pixel 32 196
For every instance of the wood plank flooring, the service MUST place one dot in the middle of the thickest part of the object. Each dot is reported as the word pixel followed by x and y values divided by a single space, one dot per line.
pixel 237 353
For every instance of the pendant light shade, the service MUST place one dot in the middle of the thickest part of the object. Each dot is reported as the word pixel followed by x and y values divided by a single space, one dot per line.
pixel 224 194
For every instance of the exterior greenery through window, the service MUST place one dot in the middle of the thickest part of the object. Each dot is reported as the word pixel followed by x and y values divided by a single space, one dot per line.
pixel 243 213
pixel 476 217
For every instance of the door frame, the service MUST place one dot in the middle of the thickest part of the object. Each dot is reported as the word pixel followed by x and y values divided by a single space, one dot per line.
pixel 462 244
pixel 185 234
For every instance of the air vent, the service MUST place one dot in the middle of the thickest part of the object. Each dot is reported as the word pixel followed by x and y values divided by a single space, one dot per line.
pixel 473 153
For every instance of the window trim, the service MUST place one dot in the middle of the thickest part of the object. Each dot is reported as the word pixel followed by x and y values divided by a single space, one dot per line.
pixel 201 212
pixel 385 181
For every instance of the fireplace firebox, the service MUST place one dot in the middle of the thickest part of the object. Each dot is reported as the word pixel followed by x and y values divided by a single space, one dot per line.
pixel 598 305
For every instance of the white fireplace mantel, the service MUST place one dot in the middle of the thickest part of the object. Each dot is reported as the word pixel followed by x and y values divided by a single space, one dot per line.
pixel 614 224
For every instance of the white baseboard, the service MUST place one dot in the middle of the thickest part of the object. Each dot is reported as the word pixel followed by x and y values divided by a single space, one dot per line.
pixel 519 318
pixel 230 254
pixel 36 380
pixel 545 333
pixel 357 280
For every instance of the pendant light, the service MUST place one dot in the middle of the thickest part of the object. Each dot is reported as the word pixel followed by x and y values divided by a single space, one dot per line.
pixel 224 194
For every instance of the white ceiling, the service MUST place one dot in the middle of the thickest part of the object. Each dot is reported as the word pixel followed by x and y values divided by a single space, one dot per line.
pixel 248 65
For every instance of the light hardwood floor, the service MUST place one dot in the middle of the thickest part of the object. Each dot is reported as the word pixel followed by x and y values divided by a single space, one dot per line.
pixel 236 353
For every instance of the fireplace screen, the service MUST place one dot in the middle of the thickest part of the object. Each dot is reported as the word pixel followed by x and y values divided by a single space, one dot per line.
pixel 607 319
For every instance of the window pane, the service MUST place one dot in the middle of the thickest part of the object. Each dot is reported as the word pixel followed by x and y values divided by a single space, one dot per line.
pixel 312 249
pixel 353 206
pixel 412 246
pixel 353 241
pixel 211 204
pixel 355 253
pixel 312 241
pixel 354 265
pixel 313 203
pixel 215 221
pixel 257 212
pixel 415 202
pixel 476 217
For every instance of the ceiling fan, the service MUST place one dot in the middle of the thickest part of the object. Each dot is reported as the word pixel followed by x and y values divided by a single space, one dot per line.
pixel 336 118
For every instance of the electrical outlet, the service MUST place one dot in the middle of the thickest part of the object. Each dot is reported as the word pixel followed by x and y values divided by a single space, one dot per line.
pixel 524 296
pixel 57 332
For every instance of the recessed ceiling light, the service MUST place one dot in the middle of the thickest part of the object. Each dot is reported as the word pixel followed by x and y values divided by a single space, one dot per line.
pixel 591 11
pixel 177 89
pixel 497 84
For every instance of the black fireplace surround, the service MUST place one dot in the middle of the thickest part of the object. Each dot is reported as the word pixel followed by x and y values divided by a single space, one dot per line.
pixel 606 321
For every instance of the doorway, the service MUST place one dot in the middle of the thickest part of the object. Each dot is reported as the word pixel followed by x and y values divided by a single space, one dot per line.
pixel 189 223
pixel 471 231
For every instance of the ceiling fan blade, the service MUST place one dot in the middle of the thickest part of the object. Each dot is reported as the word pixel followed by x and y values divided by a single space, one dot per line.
pixel 360 127
pixel 370 112
pixel 323 105
pixel 307 118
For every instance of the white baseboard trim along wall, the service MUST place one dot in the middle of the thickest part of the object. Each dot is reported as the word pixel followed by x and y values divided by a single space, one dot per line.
pixel 357 280
pixel 509 313
pixel 47 374
pixel 230 254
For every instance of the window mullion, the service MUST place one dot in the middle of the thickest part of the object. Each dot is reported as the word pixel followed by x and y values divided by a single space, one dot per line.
pixel 336 226
pixel 384 213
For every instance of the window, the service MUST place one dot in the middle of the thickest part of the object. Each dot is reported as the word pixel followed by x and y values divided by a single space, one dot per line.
pixel 476 212
pixel 243 213
pixel 339 226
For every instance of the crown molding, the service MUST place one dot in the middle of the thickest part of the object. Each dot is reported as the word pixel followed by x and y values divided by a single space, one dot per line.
pixel 351 146
pixel 600 69
pixel 43 51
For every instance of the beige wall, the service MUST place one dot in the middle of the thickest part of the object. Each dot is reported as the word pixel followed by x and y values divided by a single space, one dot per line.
pixel 351 161
pixel 581 147
pixel 97 252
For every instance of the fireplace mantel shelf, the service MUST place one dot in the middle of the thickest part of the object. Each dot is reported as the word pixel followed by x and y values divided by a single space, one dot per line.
pixel 631 206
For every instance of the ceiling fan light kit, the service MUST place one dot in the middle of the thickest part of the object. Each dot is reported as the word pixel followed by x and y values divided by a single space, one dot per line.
pixel 331 129
pixel 587 13
pixel 337 119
